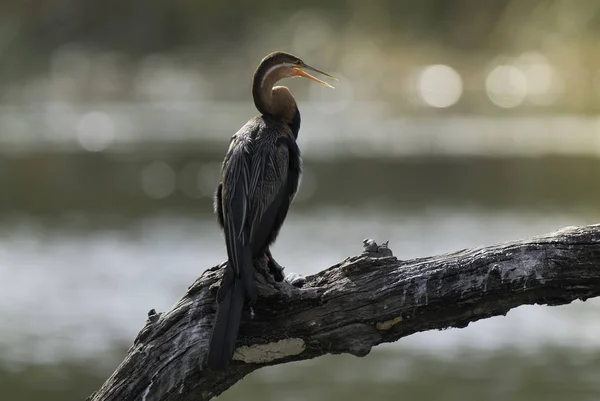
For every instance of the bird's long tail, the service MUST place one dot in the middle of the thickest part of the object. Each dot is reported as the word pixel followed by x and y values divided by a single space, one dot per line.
pixel 226 326
pixel 231 297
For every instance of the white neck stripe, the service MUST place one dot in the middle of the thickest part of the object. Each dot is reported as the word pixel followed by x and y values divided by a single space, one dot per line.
pixel 272 69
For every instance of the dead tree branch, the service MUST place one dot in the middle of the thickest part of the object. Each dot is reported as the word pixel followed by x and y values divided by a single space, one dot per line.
pixel 351 307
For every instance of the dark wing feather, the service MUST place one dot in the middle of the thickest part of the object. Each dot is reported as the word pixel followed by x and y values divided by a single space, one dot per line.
pixel 218 197
pixel 269 192
pixel 286 195
pixel 235 205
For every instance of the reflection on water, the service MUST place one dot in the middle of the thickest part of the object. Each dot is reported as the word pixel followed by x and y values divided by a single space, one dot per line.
pixel 84 306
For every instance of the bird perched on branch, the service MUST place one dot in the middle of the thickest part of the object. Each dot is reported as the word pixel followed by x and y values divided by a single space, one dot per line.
pixel 259 180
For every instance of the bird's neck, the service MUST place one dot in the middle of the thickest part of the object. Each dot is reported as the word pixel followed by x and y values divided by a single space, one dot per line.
pixel 263 101
pixel 276 102
pixel 262 89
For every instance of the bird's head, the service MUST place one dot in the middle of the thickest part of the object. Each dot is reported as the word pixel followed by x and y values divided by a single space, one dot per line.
pixel 279 100
pixel 279 65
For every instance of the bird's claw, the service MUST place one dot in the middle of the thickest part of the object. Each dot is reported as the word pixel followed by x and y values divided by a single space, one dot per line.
pixel 275 269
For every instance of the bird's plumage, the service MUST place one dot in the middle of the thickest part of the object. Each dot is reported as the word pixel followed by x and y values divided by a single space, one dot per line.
pixel 259 179
pixel 259 160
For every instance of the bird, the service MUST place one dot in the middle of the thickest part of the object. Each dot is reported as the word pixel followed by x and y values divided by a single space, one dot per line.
pixel 260 176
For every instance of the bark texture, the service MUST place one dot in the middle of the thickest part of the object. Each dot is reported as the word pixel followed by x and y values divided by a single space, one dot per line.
pixel 351 307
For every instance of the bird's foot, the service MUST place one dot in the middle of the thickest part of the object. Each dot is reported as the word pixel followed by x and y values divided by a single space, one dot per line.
pixel 262 266
pixel 275 269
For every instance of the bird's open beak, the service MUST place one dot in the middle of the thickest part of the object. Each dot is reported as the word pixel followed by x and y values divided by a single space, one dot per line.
pixel 298 72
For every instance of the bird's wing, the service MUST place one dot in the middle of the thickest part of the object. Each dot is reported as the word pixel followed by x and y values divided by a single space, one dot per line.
pixel 255 183
pixel 268 186
pixel 234 194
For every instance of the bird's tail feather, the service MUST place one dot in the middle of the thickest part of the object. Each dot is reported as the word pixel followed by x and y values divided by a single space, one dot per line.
pixel 226 326
pixel 247 274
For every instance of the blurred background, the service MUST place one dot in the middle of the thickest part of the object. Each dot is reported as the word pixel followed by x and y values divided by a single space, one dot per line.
pixel 454 124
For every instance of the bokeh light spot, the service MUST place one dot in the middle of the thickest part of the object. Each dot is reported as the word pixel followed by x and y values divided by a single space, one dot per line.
pixel 95 131
pixel 439 86
pixel 506 86
pixel 158 180
pixel 543 82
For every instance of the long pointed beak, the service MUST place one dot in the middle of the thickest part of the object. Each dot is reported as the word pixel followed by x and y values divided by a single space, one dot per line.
pixel 298 72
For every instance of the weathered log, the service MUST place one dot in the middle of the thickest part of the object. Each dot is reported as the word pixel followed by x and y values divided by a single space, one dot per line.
pixel 351 307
